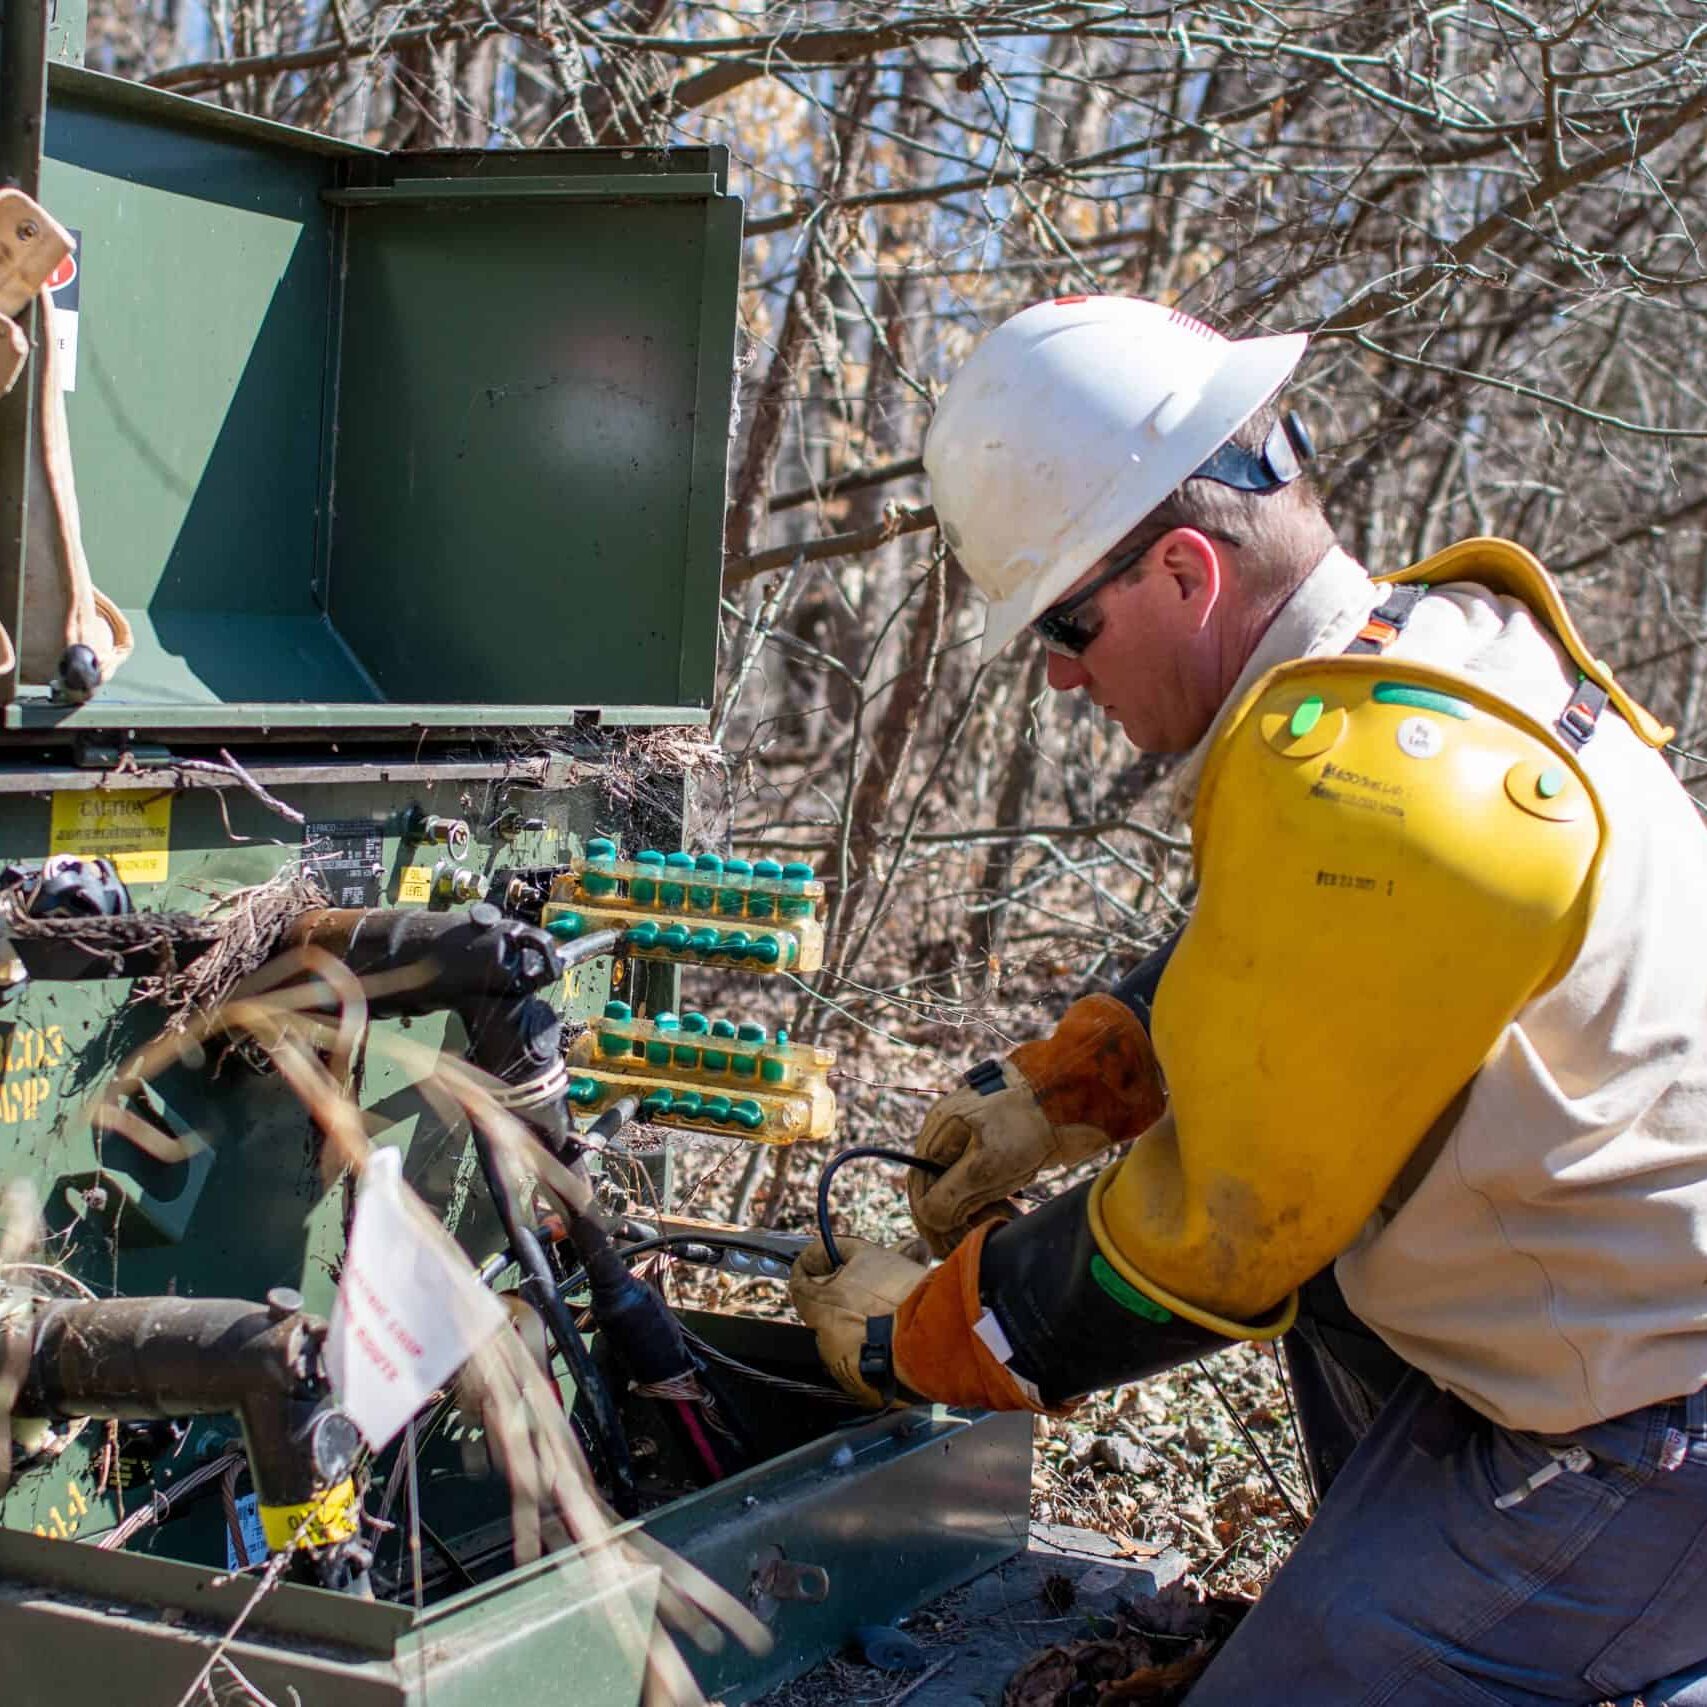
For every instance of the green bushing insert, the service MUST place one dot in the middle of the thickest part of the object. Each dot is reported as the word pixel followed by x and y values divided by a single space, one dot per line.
pixel 655 1103
pixel 744 1064
pixel 767 951
pixel 674 939
pixel 658 1046
pixel 642 936
pixel 643 887
pixel 761 904
pixel 673 891
pixel 601 851
pixel 795 876
pixel 772 1069
pixel 585 1090
pixel 748 1114
pixel 717 1108
pixel 616 1042
pixel 702 897
pixel 717 1060
pixel 567 926
pixel 703 942
pixel 601 847
pixel 732 896
pixel 688 1104
pixel 734 944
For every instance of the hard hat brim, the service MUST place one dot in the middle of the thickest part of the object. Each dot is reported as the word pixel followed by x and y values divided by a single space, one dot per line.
pixel 1235 393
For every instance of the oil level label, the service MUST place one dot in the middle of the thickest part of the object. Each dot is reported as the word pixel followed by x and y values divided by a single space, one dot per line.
pixel 133 829
pixel 415 884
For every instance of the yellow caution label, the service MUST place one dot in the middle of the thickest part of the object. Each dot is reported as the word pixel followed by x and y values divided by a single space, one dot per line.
pixel 415 884
pixel 315 1523
pixel 133 829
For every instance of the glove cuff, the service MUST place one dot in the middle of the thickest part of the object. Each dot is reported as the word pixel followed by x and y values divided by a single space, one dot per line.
pixel 1096 1069
pixel 938 1347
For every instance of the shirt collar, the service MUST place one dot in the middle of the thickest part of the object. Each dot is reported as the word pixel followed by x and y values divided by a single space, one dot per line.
pixel 1323 615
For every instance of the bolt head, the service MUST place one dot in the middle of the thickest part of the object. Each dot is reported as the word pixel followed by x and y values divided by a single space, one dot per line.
pixel 283 1301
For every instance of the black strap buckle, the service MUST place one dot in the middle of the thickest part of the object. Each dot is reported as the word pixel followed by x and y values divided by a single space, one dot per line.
pixel 877 1356
pixel 986 1077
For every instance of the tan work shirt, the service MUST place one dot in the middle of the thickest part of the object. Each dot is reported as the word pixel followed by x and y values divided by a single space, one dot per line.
pixel 1545 1255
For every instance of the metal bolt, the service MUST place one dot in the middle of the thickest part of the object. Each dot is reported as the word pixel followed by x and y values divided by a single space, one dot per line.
pixel 450 833
pixel 466 885
pixel 282 1302
pixel 484 916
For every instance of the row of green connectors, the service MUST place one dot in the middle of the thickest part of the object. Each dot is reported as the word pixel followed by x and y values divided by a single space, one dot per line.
pixel 695 1044
pixel 700 883
pixel 692 1105
pixel 706 943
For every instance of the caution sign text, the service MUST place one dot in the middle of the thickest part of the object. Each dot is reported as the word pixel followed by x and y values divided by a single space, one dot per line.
pixel 133 829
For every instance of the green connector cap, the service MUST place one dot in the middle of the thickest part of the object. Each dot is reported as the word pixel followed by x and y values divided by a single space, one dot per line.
pixel 601 847
pixel 767 951
pixel 585 1090
pixel 771 1070
pixel 703 941
pixel 684 1055
pixel 666 1021
pixel 567 926
pixel 679 861
pixel 738 869
pixel 613 1043
pixel 748 1114
pixel 749 1031
pixel 618 1010
pixel 715 1060
pixel 722 1028
pixel 716 1108
pixel 707 862
pixel 797 870
pixel 674 938
pixel 735 944
pixel 688 1103
pixel 656 1102
pixel 644 935
pixel 781 1034
pixel 695 1022
pixel 649 856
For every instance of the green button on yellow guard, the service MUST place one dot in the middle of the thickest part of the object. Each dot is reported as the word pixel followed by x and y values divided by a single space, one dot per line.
pixel 1546 791
pixel 1306 717
pixel 1550 784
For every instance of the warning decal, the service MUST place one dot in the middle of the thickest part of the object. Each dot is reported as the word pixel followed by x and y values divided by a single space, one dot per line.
pixel 133 829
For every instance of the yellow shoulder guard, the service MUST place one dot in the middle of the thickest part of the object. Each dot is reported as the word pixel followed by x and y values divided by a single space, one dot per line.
pixel 1503 567
pixel 1391 862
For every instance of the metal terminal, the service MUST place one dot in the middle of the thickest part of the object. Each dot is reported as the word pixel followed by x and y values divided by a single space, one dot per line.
pixel 452 834
pixel 283 1301
pixel 458 883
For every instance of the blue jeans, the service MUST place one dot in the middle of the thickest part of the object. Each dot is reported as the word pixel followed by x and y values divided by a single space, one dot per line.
pixel 1413 1587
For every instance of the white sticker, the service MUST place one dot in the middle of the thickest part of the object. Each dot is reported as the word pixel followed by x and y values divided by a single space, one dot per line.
pixel 254 1538
pixel 1420 737
pixel 409 1312
pixel 66 283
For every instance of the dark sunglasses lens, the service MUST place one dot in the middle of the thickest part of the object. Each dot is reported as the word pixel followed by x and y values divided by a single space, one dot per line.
pixel 1068 632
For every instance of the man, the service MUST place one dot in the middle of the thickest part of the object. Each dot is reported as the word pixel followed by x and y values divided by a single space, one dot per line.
pixel 1434 1031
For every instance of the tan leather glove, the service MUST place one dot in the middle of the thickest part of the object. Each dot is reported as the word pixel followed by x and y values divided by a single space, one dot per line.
pixel 1092 1083
pixel 834 1303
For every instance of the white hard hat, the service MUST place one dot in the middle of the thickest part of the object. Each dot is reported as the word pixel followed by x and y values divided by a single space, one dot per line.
pixel 1069 424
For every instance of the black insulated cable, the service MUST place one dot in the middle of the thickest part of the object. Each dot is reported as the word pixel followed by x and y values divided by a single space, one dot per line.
pixel 858 1152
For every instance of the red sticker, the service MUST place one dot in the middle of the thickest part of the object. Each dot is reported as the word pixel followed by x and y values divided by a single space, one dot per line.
pixel 63 274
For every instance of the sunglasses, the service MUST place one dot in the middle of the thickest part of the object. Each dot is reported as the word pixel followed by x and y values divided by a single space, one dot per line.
pixel 1068 626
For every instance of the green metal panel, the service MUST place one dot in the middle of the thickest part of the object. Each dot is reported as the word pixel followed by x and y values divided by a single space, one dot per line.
pixel 432 442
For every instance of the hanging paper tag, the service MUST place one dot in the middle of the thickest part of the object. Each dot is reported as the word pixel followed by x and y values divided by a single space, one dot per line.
pixel 408 1315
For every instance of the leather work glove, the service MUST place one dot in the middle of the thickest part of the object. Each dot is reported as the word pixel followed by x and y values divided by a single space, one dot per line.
pixel 1092 1083
pixel 835 1303
pixel 919 1332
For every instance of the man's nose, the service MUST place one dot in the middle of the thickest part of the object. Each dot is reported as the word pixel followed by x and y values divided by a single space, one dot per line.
pixel 1065 673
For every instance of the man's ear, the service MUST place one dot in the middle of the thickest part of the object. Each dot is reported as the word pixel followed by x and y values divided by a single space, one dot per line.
pixel 1191 561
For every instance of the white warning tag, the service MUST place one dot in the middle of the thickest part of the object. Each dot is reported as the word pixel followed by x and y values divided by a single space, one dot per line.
pixel 409 1313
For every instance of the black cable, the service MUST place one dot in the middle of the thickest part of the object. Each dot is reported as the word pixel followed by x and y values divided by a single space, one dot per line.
pixel 663 1241
pixel 539 1288
pixel 905 1157
pixel 613 1119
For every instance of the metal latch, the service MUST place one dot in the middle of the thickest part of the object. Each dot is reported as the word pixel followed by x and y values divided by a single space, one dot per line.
pixel 787 1579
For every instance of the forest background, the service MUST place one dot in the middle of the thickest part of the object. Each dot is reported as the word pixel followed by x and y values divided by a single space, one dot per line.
pixel 1488 216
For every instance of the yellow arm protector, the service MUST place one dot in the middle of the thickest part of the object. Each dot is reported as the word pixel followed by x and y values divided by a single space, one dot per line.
pixel 1391 862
